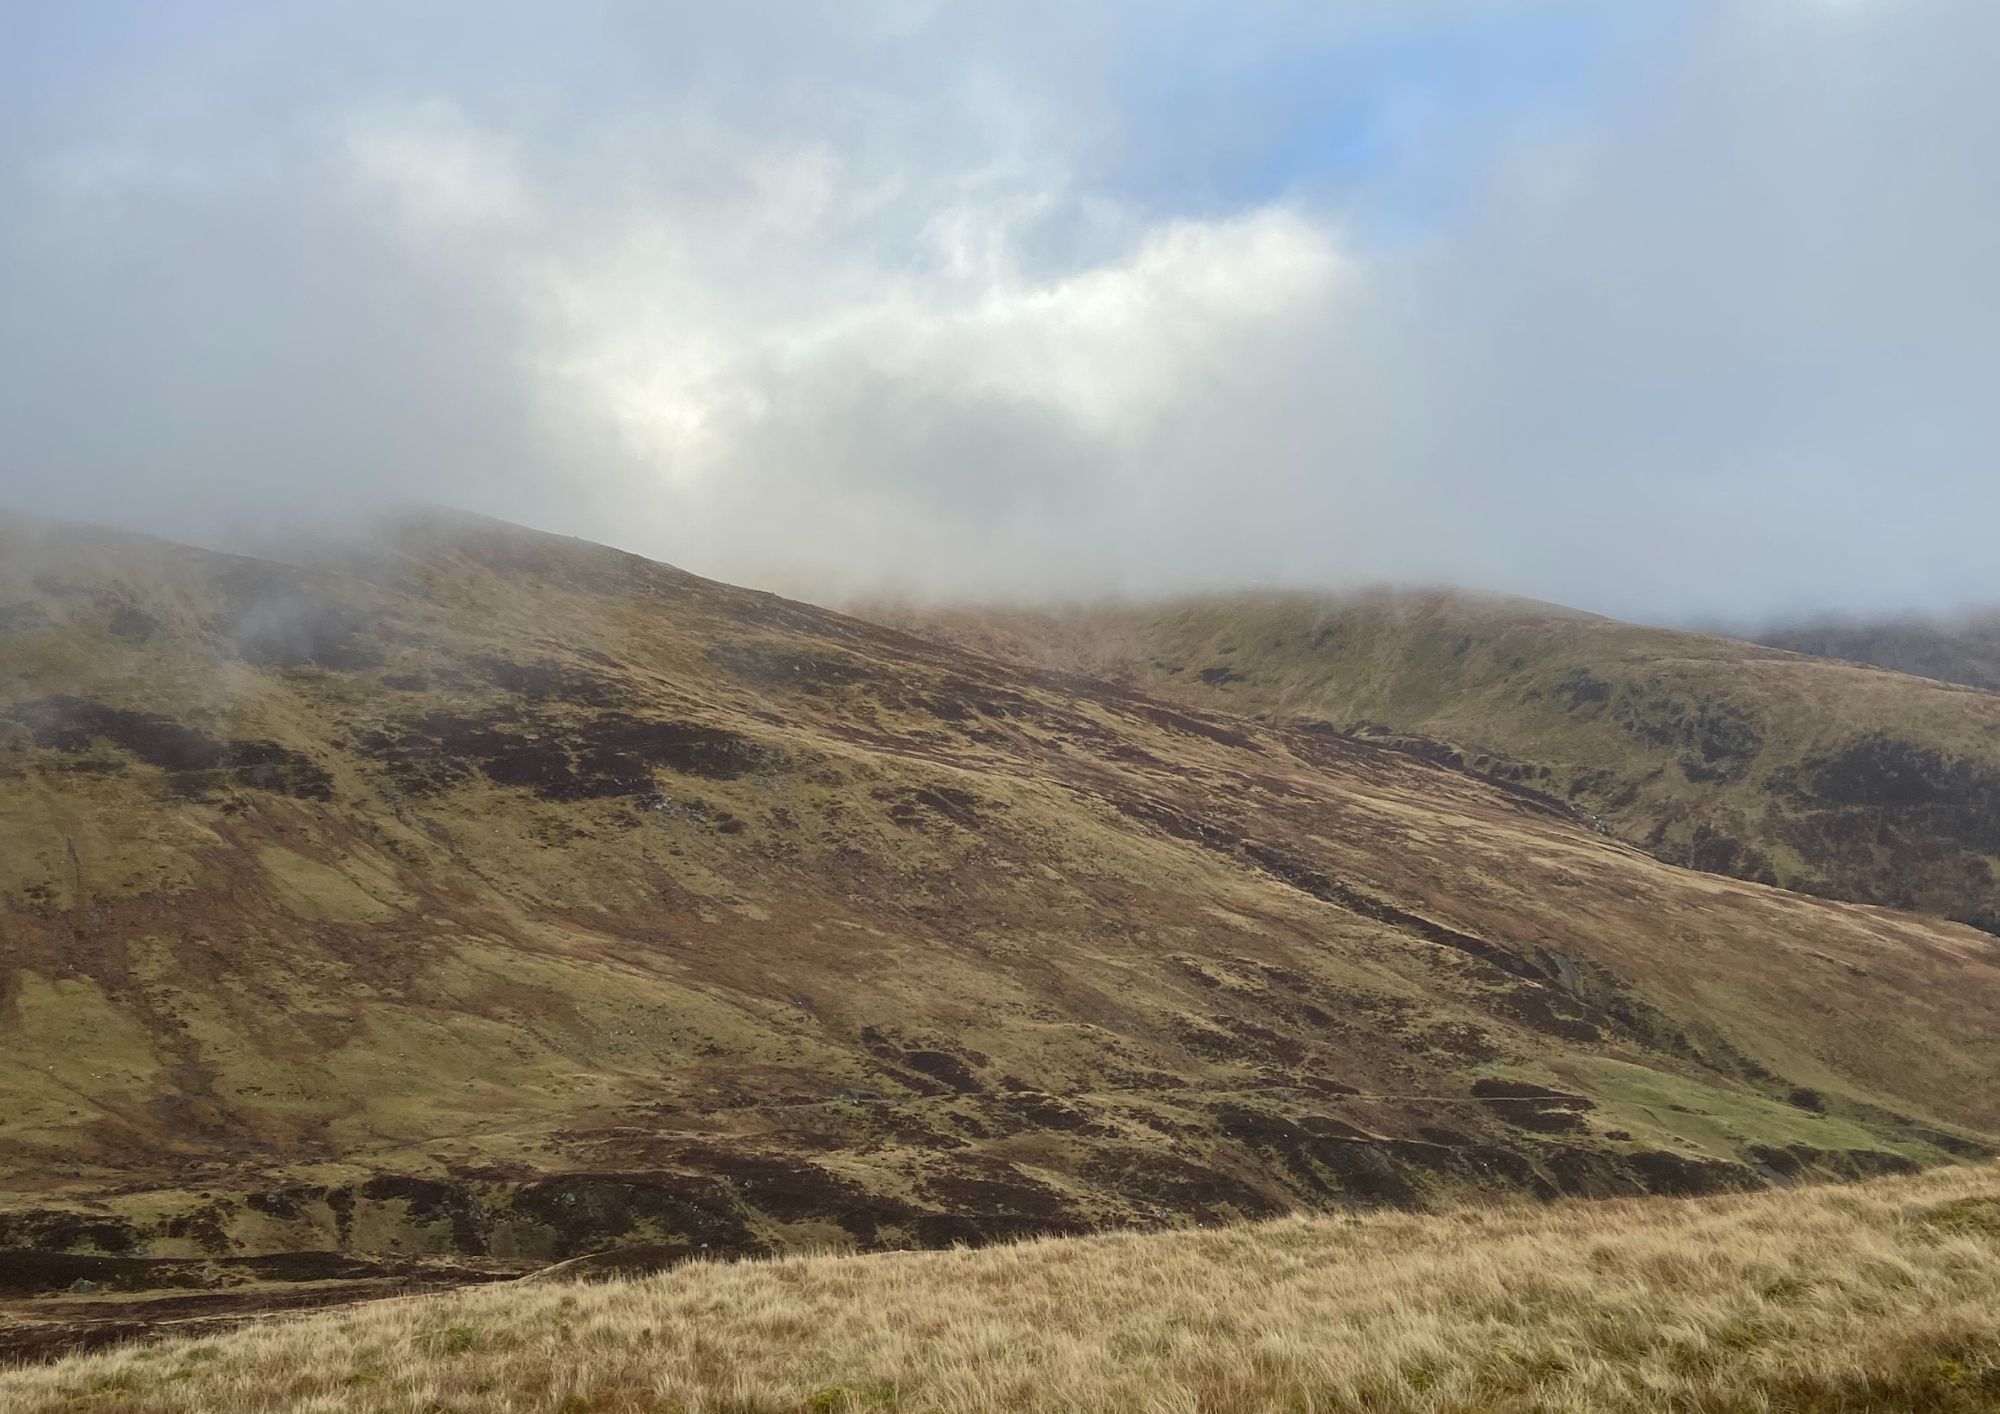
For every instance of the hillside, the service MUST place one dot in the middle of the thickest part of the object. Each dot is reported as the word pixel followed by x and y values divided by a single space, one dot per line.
pixel 1831 778
pixel 1963 650
pixel 481 896
pixel 1876 1297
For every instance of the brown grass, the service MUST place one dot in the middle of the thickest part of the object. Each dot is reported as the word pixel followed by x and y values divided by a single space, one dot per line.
pixel 1877 1297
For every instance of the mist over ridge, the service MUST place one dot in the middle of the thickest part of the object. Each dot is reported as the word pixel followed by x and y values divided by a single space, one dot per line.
pixel 1676 314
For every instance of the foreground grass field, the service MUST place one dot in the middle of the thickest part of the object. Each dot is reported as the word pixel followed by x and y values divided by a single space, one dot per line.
pixel 1875 1297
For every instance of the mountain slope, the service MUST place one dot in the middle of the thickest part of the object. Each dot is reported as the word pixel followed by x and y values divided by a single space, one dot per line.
pixel 487 893
pixel 1830 778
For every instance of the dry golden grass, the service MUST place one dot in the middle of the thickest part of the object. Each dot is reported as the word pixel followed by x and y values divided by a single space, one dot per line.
pixel 1877 1297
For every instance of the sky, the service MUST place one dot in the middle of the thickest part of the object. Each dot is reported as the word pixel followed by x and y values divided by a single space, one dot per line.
pixel 1673 311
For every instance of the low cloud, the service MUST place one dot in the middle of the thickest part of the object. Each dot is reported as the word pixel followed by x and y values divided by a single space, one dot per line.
pixel 907 303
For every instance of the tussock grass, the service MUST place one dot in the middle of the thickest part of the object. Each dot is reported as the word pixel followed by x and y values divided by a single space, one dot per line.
pixel 1876 1297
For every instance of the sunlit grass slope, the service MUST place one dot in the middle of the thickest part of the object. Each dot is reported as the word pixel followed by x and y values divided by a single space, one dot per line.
pixel 1879 1296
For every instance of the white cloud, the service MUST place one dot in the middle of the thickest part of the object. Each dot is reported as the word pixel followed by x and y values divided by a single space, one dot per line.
pixel 1105 346
pixel 703 316
pixel 445 176
pixel 822 298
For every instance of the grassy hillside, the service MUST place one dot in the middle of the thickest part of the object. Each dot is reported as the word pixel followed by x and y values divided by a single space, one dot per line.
pixel 1832 778
pixel 1874 1297
pixel 491 897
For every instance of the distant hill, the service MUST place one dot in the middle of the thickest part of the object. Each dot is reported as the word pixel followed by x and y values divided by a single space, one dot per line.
pixel 1963 650
pixel 1830 778
pixel 476 893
